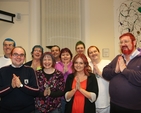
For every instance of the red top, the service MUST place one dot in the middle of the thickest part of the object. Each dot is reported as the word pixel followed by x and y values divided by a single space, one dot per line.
pixel 79 98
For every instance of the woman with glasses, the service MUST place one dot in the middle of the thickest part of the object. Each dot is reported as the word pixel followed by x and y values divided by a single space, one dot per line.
pixel 36 53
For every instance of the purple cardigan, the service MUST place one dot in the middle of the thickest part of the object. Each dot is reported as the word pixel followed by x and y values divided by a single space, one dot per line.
pixel 125 87
pixel 60 66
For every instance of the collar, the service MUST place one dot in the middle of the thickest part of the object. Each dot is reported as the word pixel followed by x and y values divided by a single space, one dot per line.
pixel 135 53
pixel 5 56
pixel 16 66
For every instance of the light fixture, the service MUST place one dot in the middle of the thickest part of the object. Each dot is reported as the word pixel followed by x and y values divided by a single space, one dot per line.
pixel 6 16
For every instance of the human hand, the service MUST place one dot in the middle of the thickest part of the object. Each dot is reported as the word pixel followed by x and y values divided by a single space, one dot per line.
pixel 65 67
pixel 13 84
pixel 117 69
pixel 96 70
pixel 47 91
pixel 17 81
pixel 77 83
pixel 121 63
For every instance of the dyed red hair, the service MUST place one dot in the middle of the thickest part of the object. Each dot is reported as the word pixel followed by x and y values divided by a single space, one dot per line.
pixel 132 37
pixel 87 68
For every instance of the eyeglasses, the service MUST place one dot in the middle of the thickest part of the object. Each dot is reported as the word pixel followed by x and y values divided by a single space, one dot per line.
pixel 38 51
pixel 16 55
pixel 124 42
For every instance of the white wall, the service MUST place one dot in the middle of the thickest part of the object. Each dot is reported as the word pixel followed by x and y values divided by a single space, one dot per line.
pixel 98 24
pixel 26 31
pixel 19 31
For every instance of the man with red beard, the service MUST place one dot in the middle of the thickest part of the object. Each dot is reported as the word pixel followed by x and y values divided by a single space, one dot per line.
pixel 124 74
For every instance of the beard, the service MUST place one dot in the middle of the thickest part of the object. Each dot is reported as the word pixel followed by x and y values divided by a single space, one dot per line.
pixel 127 51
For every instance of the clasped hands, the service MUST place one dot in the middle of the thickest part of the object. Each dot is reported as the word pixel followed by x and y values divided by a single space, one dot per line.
pixel 65 67
pixel 15 81
pixel 47 91
pixel 78 86
pixel 96 70
pixel 120 66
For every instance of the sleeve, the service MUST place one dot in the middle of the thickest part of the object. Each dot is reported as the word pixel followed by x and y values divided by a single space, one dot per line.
pixel 109 70
pixel 66 97
pixel 4 90
pixel 93 86
pixel 93 96
pixel 32 87
pixel 133 73
pixel 68 84
pixel 5 85
pixel 60 85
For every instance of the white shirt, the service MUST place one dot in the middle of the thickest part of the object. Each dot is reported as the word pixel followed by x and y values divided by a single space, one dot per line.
pixel 4 61
pixel 103 99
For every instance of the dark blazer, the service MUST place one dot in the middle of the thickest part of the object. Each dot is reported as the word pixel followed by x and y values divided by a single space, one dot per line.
pixel 92 86
pixel 28 63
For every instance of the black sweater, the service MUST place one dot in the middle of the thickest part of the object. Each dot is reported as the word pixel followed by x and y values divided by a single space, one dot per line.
pixel 18 99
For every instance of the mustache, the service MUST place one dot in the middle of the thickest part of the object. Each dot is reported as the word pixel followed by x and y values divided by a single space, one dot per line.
pixel 124 47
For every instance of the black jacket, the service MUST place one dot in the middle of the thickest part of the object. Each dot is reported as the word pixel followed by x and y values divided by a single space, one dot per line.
pixel 92 86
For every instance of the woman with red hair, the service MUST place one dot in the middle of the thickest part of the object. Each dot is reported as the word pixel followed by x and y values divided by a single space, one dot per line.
pixel 81 89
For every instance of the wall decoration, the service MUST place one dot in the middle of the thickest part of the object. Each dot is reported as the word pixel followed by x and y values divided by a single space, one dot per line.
pixel 128 18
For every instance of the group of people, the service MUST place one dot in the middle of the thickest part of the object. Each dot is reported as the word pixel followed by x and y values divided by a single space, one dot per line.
pixel 58 82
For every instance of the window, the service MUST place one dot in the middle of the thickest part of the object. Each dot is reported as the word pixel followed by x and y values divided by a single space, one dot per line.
pixel 61 23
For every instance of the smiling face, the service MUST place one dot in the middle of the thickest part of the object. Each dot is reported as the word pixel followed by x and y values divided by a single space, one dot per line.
pixel 37 53
pixel 93 53
pixel 65 57
pixel 47 62
pixel 79 65
pixel 127 45
pixel 7 47
pixel 55 51
pixel 18 56
pixel 80 49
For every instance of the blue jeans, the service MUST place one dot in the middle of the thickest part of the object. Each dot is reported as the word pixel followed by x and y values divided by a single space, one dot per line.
pixel 63 105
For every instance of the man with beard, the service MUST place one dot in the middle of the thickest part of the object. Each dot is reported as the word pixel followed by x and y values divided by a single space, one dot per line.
pixel 124 74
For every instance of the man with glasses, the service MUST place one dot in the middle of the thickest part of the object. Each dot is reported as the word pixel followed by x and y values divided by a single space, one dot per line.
pixel 8 45
pixel 18 85
pixel 124 74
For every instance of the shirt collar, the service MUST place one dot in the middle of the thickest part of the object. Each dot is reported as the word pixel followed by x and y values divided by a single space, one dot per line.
pixel 5 56
pixel 135 53
pixel 16 66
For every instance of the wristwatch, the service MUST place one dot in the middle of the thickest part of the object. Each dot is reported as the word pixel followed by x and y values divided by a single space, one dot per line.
pixel 21 85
